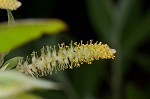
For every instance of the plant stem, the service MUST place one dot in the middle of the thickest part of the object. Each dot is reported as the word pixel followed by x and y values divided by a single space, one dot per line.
pixel 10 17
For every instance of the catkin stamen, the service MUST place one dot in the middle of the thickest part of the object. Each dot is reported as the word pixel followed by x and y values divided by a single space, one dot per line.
pixel 66 57
pixel 10 4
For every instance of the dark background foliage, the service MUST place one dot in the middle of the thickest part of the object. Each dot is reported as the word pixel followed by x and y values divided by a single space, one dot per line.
pixel 123 24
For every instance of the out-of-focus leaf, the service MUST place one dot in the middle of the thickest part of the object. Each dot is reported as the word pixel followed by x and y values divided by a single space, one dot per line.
pixel 90 77
pixel 101 15
pixel 2 55
pixel 134 14
pixel 68 88
pixel 24 96
pixel 120 21
pixel 134 92
pixel 1 58
pixel 12 62
pixel 148 91
pixel 143 61
pixel 123 12
pixel 3 68
pixel 138 33
pixel 26 30
pixel 14 83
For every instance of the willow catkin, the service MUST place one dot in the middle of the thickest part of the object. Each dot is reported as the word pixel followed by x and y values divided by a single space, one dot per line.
pixel 66 57
pixel 9 4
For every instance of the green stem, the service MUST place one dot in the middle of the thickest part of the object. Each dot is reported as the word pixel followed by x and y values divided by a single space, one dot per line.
pixel 10 17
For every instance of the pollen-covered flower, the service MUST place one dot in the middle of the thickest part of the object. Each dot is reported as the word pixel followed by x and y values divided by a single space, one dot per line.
pixel 66 57
pixel 9 4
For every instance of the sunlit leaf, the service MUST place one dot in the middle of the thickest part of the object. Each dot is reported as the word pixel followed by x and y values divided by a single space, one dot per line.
pixel 26 30
pixel 13 83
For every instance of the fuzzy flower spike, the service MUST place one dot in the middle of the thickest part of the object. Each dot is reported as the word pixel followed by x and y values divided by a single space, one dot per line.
pixel 66 57
pixel 9 4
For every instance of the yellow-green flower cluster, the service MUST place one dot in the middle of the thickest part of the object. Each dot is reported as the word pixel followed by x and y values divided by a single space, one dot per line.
pixel 66 57
pixel 9 4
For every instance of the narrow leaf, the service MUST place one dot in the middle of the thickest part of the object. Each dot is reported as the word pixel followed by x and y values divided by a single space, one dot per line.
pixel 139 33
pixel 101 15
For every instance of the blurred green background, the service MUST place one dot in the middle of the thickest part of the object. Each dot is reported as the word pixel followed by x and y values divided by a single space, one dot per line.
pixel 123 24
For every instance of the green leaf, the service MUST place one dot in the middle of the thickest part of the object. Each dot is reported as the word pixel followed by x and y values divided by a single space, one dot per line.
pixel 122 16
pixel 91 76
pixel 3 68
pixel 143 61
pixel 134 92
pixel 101 16
pixel 2 55
pixel 1 58
pixel 139 32
pixel 12 62
pixel 26 30
pixel 15 83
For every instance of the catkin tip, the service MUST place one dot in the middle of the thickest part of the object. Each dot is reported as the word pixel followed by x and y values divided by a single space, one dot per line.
pixel 10 4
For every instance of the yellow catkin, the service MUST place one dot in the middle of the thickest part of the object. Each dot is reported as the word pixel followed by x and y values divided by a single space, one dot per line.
pixel 66 57
pixel 9 4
